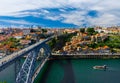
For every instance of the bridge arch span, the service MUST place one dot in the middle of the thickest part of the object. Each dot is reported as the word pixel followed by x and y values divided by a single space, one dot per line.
pixel 28 68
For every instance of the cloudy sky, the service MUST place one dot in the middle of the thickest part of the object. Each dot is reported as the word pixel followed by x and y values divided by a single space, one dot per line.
pixel 59 13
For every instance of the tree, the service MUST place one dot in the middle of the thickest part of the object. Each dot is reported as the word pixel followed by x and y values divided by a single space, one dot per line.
pixel 52 43
pixel 96 32
pixel 90 31
pixel 32 30
pixel 44 30
pixel 82 30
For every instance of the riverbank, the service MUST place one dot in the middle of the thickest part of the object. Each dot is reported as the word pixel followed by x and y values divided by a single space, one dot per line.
pixel 84 57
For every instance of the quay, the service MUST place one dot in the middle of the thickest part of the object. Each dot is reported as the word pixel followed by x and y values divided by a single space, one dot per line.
pixel 85 56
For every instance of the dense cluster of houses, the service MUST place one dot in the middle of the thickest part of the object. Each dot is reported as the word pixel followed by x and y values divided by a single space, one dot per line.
pixel 78 44
pixel 113 29
pixel 25 37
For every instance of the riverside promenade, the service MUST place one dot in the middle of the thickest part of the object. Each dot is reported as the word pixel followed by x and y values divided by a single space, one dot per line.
pixel 86 56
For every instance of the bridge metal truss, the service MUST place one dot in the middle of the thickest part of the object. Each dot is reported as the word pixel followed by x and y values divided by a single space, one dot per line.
pixel 17 67
pixel 28 68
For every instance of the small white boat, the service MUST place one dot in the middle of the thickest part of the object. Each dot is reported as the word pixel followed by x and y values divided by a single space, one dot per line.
pixel 100 67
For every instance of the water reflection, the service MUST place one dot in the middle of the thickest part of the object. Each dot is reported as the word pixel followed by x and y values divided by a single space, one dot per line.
pixel 68 72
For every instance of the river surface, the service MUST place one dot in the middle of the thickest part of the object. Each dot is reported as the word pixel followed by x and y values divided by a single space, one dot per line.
pixel 72 71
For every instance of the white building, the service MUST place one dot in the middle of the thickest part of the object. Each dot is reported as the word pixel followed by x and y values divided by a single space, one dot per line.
pixel 26 31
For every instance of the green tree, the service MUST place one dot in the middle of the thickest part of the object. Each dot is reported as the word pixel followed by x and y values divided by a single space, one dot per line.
pixel 44 30
pixel 90 31
pixel 52 43
pixel 82 30
pixel 12 39
pixel 32 30
pixel 96 32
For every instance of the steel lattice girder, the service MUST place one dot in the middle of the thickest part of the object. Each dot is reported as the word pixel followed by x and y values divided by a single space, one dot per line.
pixel 25 73
pixel 28 67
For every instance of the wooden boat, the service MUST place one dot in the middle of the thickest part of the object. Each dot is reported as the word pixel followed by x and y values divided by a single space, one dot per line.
pixel 100 67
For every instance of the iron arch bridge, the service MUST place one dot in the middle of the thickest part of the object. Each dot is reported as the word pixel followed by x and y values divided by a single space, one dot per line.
pixel 28 71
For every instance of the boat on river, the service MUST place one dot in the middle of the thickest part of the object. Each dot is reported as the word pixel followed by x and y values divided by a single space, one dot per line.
pixel 100 67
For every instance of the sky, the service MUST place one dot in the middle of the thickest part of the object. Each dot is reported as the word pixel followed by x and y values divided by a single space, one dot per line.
pixel 59 13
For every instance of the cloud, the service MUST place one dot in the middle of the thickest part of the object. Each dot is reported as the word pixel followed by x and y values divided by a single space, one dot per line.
pixel 10 7
pixel 23 22
pixel 54 18
pixel 74 17
pixel 62 10
pixel 77 12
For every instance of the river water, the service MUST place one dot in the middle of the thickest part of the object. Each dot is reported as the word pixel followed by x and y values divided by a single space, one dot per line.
pixel 72 71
